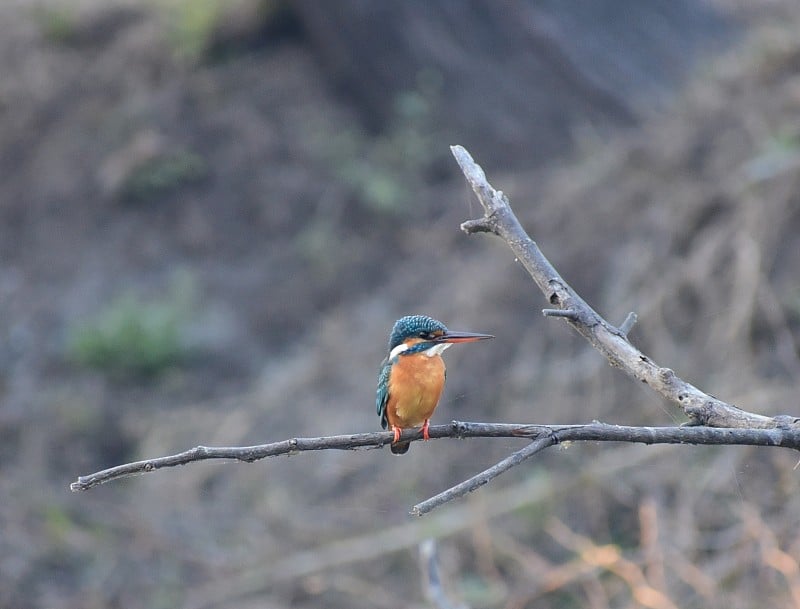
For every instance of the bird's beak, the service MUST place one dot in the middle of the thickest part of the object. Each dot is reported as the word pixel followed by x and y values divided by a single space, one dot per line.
pixel 461 337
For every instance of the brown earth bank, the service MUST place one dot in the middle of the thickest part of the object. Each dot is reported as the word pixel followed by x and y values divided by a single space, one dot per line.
pixel 204 239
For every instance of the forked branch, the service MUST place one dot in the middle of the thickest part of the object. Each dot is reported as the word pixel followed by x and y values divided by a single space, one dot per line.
pixel 612 342
pixel 712 421
pixel 542 435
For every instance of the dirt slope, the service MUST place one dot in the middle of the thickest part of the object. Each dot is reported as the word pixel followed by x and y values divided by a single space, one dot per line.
pixel 293 282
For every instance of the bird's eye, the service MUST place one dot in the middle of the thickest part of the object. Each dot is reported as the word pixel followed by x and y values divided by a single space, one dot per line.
pixel 426 335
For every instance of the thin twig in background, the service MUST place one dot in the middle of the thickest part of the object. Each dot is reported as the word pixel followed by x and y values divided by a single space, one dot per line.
pixel 611 559
pixel 432 577
pixel 248 577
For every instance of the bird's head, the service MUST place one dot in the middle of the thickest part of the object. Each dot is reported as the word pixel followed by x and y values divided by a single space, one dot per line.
pixel 420 333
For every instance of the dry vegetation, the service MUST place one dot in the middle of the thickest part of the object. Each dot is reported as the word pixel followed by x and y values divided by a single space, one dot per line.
pixel 693 222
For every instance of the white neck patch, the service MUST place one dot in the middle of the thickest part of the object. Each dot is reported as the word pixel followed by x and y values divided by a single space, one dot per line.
pixel 398 350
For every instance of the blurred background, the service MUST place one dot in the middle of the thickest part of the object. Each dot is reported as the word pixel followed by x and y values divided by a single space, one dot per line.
pixel 211 213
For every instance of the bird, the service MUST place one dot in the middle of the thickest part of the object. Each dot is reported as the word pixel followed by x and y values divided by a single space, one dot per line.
pixel 412 375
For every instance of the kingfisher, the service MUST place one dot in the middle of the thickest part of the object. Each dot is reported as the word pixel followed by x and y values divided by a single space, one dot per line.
pixel 412 375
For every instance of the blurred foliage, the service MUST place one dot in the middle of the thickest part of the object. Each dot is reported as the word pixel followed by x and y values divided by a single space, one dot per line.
pixel 162 175
pixel 315 243
pixel 190 25
pixel 57 23
pixel 132 337
pixel 791 302
pixel 778 154
pixel 384 172
pixel 57 523
pixel 194 27
pixel 480 591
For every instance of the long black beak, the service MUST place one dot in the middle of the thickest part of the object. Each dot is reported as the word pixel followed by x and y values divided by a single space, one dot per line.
pixel 461 337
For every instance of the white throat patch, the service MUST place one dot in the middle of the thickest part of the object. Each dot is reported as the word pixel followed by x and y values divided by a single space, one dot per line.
pixel 437 349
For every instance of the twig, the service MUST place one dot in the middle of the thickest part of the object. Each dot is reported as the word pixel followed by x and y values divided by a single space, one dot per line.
pixel 459 490
pixel 432 578
pixel 700 407
pixel 627 325
pixel 565 313
pixel 611 559
pixel 595 432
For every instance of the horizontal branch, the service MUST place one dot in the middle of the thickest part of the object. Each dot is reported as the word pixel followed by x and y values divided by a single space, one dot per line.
pixel 548 434
pixel 499 219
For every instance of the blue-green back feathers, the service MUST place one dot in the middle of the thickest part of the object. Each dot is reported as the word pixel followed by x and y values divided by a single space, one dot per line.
pixel 383 392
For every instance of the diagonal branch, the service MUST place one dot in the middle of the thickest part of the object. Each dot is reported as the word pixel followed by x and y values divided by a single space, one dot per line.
pixel 461 489
pixel 546 435
pixel 612 342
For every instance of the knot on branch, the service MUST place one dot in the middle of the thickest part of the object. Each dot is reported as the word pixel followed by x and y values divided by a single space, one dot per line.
pixel 458 428
pixel 479 225
pixel 698 415
pixel 667 376
pixel 555 288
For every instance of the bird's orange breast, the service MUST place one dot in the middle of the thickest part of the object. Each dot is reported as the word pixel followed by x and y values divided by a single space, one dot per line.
pixel 415 386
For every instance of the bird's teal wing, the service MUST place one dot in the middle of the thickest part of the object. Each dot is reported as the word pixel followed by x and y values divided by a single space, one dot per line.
pixel 382 396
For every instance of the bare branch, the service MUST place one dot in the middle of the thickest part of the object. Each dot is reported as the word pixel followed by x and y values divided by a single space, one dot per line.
pixel 546 434
pixel 700 407
pixel 459 490
pixel 602 432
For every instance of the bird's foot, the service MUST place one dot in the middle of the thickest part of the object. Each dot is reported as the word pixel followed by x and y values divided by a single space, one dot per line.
pixel 396 431
pixel 425 425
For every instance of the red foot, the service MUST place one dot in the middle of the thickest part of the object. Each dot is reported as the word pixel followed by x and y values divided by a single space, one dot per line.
pixel 396 431
pixel 425 425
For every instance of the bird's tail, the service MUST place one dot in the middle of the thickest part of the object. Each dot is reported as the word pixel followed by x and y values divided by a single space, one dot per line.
pixel 400 448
